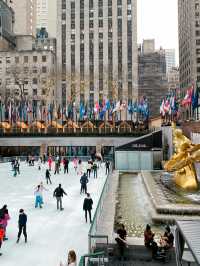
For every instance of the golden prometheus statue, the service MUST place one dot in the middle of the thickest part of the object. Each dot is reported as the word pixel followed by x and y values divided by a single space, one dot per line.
pixel 183 161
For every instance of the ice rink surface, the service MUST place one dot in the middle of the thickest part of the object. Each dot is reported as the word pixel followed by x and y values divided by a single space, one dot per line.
pixel 51 233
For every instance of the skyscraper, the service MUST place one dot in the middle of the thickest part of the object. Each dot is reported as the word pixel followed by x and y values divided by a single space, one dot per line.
pixel 189 42
pixel 97 50
pixel 25 16
pixel 170 59
pixel 46 16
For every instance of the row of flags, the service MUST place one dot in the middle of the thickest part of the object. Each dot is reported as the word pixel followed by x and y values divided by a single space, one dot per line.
pixel 171 105
pixel 28 111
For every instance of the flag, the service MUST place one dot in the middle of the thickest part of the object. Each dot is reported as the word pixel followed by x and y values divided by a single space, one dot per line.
pixel 195 99
pixel 96 107
pixel 188 97
pixel 108 106
pixel 117 107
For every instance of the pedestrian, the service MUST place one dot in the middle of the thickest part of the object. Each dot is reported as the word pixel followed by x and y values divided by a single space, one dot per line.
pixel 121 240
pixel 1 237
pixel 50 163
pixel 4 217
pixel 66 165
pixel 95 169
pixel 57 165
pixel 71 261
pixel 87 207
pixel 15 169
pixel 48 175
pixel 22 225
pixel 107 164
pixel 32 161
pixel 38 197
pixel 84 181
pixel 58 193
pixel 89 166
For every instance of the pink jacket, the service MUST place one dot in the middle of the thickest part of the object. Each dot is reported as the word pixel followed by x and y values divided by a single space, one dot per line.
pixel 4 221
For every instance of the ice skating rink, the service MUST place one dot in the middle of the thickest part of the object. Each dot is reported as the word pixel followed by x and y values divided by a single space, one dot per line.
pixel 51 233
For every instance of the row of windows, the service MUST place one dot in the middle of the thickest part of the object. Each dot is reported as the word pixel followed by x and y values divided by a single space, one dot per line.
pixel 26 59
pixel 34 81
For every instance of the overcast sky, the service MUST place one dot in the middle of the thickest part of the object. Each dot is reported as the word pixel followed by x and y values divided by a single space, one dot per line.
pixel 158 19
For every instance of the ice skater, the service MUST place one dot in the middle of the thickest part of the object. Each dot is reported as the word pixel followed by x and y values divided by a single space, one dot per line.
pixel 48 175
pixel 58 193
pixel 83 181
pixel 87 207
pixel 38 197
pixel 89 167
pixel 80 168
pixel 1 237
pixel 39 163
pixel 22 225
pixel 95 169
pixel 4 217
pixel 50 162
pixel 75 163
pixel 66 165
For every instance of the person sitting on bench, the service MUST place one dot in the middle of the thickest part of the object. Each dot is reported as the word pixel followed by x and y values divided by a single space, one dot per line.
pixel 149 240
pixel 167 240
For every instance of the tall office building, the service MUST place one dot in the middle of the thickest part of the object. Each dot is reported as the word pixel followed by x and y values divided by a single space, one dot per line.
pixel 97 50
pixel 170 59
pixel 189 42
pixel 47 15
pixel 152 75
pixel 25 16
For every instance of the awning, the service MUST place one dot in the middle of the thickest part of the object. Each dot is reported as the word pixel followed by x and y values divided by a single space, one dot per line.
pixel 187 232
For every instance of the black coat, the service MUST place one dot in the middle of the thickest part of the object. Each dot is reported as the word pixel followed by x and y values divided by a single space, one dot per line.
pixel 87 204
pixel 22 219
pixel 58 192
pixel 84 179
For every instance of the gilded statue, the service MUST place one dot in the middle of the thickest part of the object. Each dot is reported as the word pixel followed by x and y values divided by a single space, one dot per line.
pixel 182 163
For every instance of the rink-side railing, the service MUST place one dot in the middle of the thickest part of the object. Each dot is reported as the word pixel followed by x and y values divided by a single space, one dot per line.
pixel 23 158
pixel 92 235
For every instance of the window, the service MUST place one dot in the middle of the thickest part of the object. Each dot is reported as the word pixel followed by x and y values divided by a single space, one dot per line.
pixel 25 70
pixel 35 70
pixel 8 60
pixel 44 69
pixel 34 92
pixel 44 58
pixel 35 59
pixel 25 59
pixel 17 59
pixel 35 81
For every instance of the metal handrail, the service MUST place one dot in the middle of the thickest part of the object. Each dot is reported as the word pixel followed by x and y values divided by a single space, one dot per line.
pixel 98 255
pixel 98 209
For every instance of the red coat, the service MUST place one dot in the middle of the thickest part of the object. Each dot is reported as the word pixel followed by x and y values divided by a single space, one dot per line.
pixel 2 233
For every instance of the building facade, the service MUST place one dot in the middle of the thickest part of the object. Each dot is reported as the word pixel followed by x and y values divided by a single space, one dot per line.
pixel 173 79
pixel 97 50
pixel 189 42
pixel 25 16
pixel 46 16
pixel 170 59
pixel 152 78
pixel 28 71
pixel 7 39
